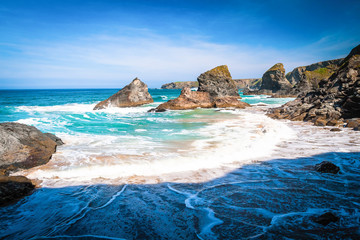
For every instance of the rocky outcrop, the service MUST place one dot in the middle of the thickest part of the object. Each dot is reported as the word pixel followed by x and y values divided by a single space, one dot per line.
pixel 216 89
pixel 273 83
pixel 23 146
pixel 336 99
pixel 132 95
pixel 218 82
pixel 180 85
pixel 320 70
pixel 14 188
pixel 307 78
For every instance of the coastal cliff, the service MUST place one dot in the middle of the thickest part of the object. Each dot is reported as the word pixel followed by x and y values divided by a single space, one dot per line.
pixel 299 81
pixel 336 100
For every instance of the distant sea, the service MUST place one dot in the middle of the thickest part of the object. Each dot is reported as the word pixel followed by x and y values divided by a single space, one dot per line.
pixel 125 173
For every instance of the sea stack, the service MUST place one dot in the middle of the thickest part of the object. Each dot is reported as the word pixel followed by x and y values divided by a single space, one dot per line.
pixel 216 89
pixel 273 83
pixel 336 100
pixel 132 95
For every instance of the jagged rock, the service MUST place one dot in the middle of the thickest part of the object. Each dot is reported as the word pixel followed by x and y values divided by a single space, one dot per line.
pixel 216 89
pixel 180 85
pixel 23 146
pixel 218 83
pixel 187 100
pixel 326 218
pixel 336 99
pixel 327 167
pixel 132 95
pixel 14 188
pixel 56 139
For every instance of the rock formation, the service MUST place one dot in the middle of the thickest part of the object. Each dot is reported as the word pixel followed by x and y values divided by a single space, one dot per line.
pixel 132 95
pixel 336 99
pixel 14 188
pixel 216 89
pixel 180 85
pixel 218 82
pixel 273 83
pixel 23 146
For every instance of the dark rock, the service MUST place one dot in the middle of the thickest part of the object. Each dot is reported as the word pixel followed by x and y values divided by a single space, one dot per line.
pixel 336 99
pixel 218 83
pixel 132 95
pixel 216 89
pixel 326 218
pixel 13 189
pixel 56 139
pixel 157 110
pixel 335 130
pixel 327 167
pixel 23 146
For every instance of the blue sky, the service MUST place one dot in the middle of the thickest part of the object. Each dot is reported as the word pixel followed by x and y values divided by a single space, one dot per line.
pixel 107 43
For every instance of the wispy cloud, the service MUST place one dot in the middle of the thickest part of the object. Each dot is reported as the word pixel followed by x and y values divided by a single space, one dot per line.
pixel 113 60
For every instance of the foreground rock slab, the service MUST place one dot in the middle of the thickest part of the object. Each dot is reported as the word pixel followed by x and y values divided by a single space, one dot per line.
pixel 23 146
pixel 13 189
pixel 132 95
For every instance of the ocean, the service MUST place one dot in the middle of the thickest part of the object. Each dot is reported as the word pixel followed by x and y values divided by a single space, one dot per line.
pixel 125 173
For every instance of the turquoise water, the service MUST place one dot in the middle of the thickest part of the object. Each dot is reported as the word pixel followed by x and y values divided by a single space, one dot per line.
pixel 124 173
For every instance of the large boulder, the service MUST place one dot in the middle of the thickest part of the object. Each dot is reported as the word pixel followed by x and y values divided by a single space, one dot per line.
pixel 218 83
pixel 132 95
pixel 14 188
pixel 216 89
pixel 23 146
pixel 336 99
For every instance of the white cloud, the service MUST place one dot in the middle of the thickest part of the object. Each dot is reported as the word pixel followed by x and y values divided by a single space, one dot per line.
pixel 112 61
